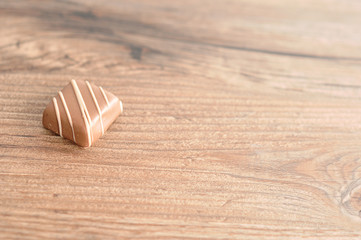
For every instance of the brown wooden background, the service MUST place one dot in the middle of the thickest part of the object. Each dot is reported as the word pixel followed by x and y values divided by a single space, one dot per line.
pixel 242 120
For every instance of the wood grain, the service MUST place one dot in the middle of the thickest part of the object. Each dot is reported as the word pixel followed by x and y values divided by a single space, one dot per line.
pixel 242 120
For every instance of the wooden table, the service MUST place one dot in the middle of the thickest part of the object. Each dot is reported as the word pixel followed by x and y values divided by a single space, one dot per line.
pixel 242 120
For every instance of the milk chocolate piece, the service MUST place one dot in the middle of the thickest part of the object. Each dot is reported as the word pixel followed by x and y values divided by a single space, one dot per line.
pixel 81 112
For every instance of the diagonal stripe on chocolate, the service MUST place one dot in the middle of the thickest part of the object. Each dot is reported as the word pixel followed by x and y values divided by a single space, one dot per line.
pixel 82 112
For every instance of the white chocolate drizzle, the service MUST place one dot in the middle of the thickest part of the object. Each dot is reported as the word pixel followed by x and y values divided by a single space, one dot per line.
pixel 104 95
pixel 121 106
pixel 57 115
pixel 97 105
pixel 67 113
pixel 83 110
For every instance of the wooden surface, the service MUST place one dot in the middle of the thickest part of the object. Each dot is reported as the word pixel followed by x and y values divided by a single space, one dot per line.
pixel 242 120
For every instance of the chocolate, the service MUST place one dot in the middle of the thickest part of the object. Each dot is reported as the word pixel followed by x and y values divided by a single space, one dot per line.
pixel 81 112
